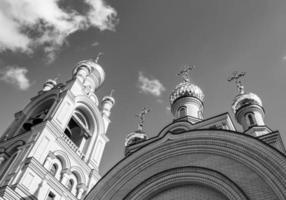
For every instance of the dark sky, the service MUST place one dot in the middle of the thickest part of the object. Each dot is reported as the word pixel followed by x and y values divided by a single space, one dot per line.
pixel 157 38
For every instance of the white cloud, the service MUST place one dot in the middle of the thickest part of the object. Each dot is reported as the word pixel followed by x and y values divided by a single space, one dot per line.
pixel 27 24
pixel 16 76
pixel 150 86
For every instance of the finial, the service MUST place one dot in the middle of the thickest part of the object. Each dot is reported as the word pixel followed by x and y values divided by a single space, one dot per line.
pixel 186 73
pixel 141 118
pixel 236 77
pixel 98 56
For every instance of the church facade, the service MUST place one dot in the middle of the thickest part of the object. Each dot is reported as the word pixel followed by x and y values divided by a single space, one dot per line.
pixel 53 148
pixel 196 158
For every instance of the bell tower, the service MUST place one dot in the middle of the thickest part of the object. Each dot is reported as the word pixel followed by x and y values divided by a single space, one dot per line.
pixel 53 148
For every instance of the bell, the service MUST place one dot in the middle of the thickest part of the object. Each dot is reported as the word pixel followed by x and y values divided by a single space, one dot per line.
pixel 27 126
pixel 37 121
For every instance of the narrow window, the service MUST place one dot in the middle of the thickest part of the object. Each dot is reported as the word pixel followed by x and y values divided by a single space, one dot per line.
pixel 182 111
pixel 250 118
pixel 54 169
pixel 70 184
pixel 51 196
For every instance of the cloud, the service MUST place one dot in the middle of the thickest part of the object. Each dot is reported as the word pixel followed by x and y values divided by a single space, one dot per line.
pixel 28 24
pixel 150 86
pixel 16 76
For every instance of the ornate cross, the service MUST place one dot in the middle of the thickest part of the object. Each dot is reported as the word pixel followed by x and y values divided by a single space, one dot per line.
pixel 141 118
pixel 186 73
pixel 236 77
pixel 98 56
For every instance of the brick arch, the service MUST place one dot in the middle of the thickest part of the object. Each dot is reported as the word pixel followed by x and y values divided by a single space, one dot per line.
pixel 186 176
pixel 261 168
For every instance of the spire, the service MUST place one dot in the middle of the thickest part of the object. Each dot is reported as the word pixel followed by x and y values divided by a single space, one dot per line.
pixel 186 73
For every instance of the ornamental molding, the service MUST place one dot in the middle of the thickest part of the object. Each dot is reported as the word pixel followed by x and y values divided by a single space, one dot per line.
pixel 268 163
pixel 186 176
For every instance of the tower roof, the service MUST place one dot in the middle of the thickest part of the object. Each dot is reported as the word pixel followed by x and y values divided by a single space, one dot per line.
pixel 245 99
pixel 186 89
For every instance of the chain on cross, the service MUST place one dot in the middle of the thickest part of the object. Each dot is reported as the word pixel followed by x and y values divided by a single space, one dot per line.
pixel 236 77
pixel 186 73
pixel 141 118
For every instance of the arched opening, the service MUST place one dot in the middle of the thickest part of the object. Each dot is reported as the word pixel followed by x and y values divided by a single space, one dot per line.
pixel 38 115
pixel 79 129
pixel 70 184
pixel 182 111
pixel 54 169
pixel 250 119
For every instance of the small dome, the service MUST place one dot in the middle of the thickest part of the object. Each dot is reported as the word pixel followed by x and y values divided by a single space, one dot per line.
pixel 135 138
pixel 186 89
pixel 90 66
pixel 245 99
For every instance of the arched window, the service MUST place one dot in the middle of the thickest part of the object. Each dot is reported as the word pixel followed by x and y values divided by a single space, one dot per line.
pixel 38 115
pixel 70 184
pixel 79 129
pixel 182 111
pixel 54 169
pixel 250 119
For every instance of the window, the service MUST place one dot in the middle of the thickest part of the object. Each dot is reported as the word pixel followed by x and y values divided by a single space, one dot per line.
pixel 78 129
pixel 250 119
pixel 54 169
pixel 51 196
pixel 182 111
pixel 70 184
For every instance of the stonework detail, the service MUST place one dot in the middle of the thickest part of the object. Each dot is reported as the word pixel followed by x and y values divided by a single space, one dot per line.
pixel 48 151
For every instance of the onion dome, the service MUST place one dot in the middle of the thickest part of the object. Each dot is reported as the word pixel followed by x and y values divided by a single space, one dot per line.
pixel 186 89
pixel 107 103
pixel 48 85
pixel 135 138
pixel 246 99
pixel 90 73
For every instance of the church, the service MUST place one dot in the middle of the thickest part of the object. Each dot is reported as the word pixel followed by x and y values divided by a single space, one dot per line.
pixel 197 158
pixel 53 148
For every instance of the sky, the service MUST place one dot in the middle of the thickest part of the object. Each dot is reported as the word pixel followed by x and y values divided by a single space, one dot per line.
pixel 145 44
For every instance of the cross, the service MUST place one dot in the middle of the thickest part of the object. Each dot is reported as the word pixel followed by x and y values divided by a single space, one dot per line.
pixel 141 118
pixel 111 93
pixel 98 56
pixel 186 73
pixel 236 77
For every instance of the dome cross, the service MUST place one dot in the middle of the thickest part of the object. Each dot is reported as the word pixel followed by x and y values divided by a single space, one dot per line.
pixel 141 118
pixel 186 73
pixel 236 77
pixel 100 54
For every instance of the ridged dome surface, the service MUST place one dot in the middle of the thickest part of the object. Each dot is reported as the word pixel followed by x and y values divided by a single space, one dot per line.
pixel 186 89
pixel 135 137
pixel 245 99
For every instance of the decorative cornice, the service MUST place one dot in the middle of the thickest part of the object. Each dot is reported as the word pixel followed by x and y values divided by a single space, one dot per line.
pixel 265 161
